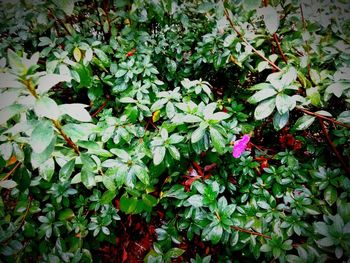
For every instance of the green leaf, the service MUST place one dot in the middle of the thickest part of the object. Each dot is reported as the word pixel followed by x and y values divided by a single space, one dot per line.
pixel 6 150
pixel 196 200
pixel 279 121
pixel 8 184
pixel 102 56
pixel 314 96
pixel 264 205
pixel 107 197
pixel 88 178
pixel 78 131
pixel 198 134
pixel 283 103
pixel 76 111
pixel 39 158
pixel 41 136
pixel 10 111
pixel 85 76
pixel 170 110
pixel 330 195
pixel 158 154
pixel 271 18
pixel 66 214
pixel 215 234
pixel 46 107
pixel 47 169
pixel 66 170
pixel 325 242
pixel 229 40
pixel 304 122
pixel 46 82
pixel 174 252
pixel 127 205
pixel 251 4
pixel 66 5
pixel 262 95
pixel 141 173
pixel 174 152
pixel 15 62
pixel 264 109
pixel 217 140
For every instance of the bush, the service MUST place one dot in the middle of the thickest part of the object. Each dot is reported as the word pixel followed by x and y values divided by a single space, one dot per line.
pixel 119 119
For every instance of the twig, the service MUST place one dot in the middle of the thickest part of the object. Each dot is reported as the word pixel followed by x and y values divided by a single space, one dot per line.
pixel 100 108
pixel 323 117
pixel 275 37
pixel 248 44
pixel 64 135
pixel 11 172
pixel 250 232
pixel 306 43
pixel 334 148
pixel 261 150
pixel 59 21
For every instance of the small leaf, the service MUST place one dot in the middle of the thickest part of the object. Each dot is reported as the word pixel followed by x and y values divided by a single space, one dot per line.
pixel 42 136
pixel 251 4
pixel 66 170
pixel 77 54
pixel 330 195
pixel 46 107
pixel 47 169
pixel 217 139
pixel 66 214
pixel 304 122
pixel 76 111
pixel 279 121
pixel 8 184
pixel 215 234
pixel 264 109
pixel 158 154
pixel 107 197
pixel 174 152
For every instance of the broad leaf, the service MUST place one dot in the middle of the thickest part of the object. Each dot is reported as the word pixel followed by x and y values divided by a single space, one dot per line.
pixel 264 109
pixel 41 136
pixel 46 82
pixel 76 111
pixel 304 122
pixel 158 154
pixel 46 107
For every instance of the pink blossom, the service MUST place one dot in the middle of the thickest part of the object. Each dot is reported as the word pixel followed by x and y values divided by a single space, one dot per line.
pixel 240 145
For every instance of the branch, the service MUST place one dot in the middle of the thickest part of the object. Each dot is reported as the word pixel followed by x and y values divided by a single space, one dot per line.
pixel 320 116
pixel 275 37
pixel 334 148
pixel 248 44
pixel 64 135
pixel 100 108
pixel 11 172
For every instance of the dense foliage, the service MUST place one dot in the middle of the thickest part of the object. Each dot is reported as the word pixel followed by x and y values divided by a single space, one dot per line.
pixel 119 119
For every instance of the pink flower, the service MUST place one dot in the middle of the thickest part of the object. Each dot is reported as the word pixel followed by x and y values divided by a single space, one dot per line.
pixel 240 145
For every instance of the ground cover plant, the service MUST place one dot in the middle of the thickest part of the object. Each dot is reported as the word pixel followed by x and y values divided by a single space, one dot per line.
pixel 174 131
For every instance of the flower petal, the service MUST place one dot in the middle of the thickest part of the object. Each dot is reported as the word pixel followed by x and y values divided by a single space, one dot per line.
pixel 240 146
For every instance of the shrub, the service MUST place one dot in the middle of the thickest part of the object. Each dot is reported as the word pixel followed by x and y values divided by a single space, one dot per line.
pixel 185 131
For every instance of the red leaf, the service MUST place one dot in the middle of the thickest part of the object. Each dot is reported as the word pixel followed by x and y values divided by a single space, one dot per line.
pixel 209 167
